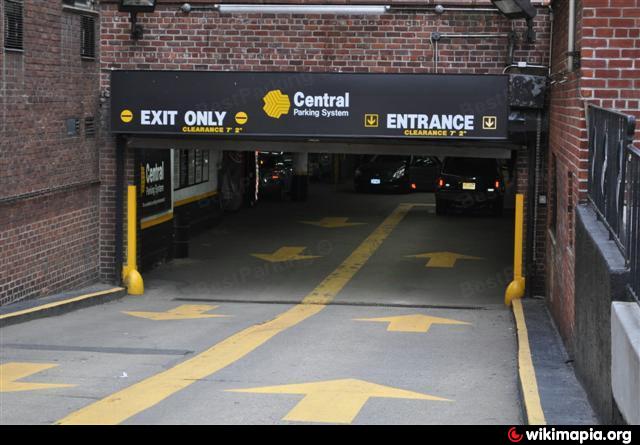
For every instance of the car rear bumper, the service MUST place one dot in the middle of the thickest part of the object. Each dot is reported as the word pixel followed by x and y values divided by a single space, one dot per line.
pixel 467 198
pixel 384 186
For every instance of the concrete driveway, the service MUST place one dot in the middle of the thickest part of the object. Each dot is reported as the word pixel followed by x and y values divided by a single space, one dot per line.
pixel 348 308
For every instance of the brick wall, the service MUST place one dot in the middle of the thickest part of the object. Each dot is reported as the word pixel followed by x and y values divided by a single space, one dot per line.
pixel 49 181
pixel 393 43
pixel 398 42
pixel 49 243
pixel 607 36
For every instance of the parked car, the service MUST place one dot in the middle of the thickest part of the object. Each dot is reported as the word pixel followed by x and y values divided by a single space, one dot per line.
pixel 470 183
pixel 276 173
pixel 393 173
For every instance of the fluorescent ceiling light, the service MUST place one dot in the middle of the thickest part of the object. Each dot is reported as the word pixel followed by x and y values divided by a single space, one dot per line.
pixel 303 9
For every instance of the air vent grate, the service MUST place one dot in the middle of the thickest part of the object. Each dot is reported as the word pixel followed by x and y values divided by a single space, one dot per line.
pixel 13 25
pixel 89 127
pixel 88 36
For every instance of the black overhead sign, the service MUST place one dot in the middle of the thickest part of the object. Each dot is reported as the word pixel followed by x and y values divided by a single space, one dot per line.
pixel 309 105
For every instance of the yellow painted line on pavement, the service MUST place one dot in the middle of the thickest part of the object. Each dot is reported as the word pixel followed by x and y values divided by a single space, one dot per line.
pixel 336 401
pixel 60 303
pixel 528 381
pixel 333 222
pixel 124 404
pixel 11 372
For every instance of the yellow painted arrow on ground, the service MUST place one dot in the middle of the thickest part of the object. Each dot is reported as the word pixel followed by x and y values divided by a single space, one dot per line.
pixel 285 254
pixel 335 401
pixel 333 222
pixel 412 323
pixel 10 373
pixel 184 312
pixel 443 259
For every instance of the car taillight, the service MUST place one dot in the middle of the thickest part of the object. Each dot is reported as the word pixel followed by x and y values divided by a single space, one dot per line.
pixel 497 184
pixel 275 177
pixel 413 187
pixel 440 182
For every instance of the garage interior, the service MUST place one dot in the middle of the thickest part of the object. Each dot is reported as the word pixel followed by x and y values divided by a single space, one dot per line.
pixel 217 208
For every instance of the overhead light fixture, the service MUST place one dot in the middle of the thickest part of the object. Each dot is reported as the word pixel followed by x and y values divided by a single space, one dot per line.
pixel 516 9
pixel 519 9
pixel 133 7
pixel 302 9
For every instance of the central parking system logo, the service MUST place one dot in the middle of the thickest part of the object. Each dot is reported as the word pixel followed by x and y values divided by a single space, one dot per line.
pixel 276 104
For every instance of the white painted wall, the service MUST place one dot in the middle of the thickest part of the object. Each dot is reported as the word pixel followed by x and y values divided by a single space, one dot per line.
pixel 625 359
pixel 215 157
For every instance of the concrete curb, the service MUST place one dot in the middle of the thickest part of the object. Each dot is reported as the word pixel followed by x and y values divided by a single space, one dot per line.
pixel 533 412
pixel 59 306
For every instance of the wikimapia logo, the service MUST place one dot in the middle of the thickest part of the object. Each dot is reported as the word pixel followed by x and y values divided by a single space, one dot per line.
pixel 276 104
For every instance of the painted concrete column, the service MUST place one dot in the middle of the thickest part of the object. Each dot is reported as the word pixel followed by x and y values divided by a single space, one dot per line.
pixel 300 184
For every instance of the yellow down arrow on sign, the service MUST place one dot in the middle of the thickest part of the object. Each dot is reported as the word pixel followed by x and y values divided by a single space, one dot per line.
pixel 443 259
pixel 333 222
pixel 184 312
pixel 336 401
pixel 412 323
pixel 286 253
pixel 10 373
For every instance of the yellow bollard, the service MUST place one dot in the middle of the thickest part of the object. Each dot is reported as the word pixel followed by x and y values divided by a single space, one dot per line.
pixel 517 287
pixel 130 275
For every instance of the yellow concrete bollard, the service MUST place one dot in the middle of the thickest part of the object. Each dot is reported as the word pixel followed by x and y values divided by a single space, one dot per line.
pixel 517 287
pixel 130 275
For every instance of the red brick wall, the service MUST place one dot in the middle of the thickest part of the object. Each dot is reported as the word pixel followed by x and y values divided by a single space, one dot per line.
pixel 48 181
pixel 49 244
pixel 610 46
pixel 608 38
pixel 397 42
pixel 392 43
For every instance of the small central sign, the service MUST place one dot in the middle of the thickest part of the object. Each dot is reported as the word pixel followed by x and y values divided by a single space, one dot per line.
pixel 155 182
pixel 309 105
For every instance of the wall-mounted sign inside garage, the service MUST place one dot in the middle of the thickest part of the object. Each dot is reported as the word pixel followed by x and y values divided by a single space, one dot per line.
pixel 154 170
pixel 309 105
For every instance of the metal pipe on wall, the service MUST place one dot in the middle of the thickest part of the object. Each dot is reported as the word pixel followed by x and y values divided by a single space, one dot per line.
pixel 571 35
pixel 121 146
pixel 531 202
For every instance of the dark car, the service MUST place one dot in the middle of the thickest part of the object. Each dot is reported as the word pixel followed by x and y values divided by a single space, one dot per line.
pixel 403 174
pixel 470 183
pixel 276 173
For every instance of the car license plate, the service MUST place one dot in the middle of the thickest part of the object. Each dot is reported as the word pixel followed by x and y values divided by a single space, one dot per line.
pixel 375 181
pixel 468 186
